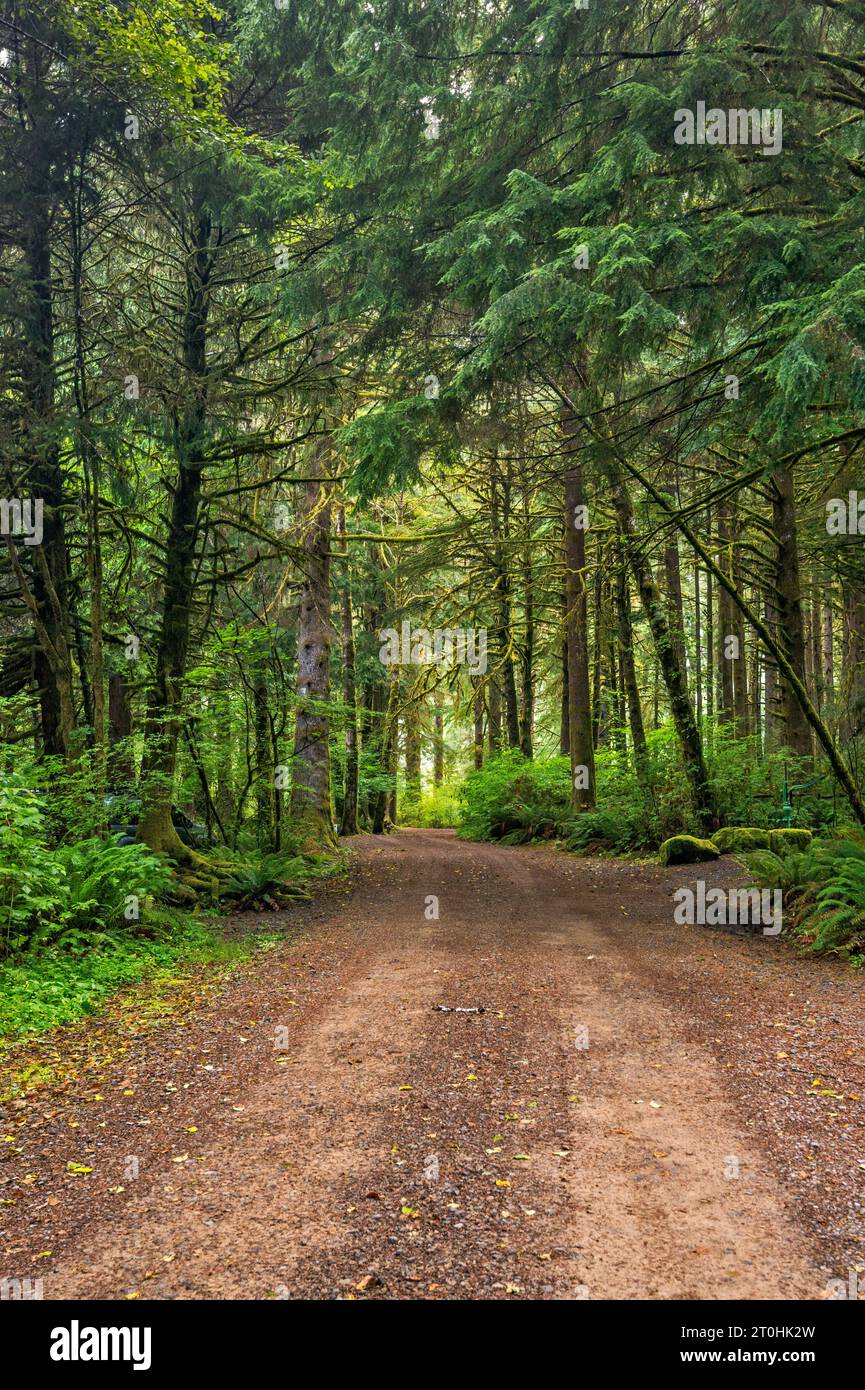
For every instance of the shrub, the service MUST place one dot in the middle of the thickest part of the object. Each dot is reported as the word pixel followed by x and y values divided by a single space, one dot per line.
pixel 265 881
pixel 438 809
pixel 687 849
pixel 824 894
pixel 31 879
pixel 73 891
pixel 595 831
pixel 515 798
pixel 782 841
pixel 733 839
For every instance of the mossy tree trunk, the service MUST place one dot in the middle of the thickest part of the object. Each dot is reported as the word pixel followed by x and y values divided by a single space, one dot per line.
pixel 310 809
pixel 580 741
pixel 348 819
pixel 797 734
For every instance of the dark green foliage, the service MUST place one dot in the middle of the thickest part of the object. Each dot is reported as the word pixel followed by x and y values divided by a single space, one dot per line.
pixel 266 882
pixel 61 983
pixel 514 799
pixel 608 832
pixel 824 894
pixel 75 892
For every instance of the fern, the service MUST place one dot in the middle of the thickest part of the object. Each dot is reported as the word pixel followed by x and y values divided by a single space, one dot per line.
pixel 824 893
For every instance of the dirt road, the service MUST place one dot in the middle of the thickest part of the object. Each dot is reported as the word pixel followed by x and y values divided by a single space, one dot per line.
pixel 633 1114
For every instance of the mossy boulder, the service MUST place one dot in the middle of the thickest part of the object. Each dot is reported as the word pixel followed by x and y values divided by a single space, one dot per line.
pixel 687 849
pixel 733 839
pixel 780 841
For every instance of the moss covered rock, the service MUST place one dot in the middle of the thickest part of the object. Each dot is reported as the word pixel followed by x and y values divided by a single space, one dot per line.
pixel 687 849
pixel 735 838
pixel 780 841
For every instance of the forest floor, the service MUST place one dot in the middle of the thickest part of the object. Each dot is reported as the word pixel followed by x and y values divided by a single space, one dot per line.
pixel 709 1142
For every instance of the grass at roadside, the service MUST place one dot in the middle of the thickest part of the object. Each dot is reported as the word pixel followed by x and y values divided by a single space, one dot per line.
pixel 56 987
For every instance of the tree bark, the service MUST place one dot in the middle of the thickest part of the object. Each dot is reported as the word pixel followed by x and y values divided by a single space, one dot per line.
pixel 438 739
pixel 580 743
pixel 412 754
pixel 478 711
pixel 671 671
pixel 629 673
pixel 310 807
pixel 162 721
pixel 797 734
pixel 527 711
pixel 348 821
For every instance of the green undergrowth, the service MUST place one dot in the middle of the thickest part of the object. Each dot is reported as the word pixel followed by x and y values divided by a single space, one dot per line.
pixel 823 887
pixel 57 986
pixel 75 946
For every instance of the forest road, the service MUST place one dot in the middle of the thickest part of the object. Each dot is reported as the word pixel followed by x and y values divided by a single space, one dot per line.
pixel 631 1115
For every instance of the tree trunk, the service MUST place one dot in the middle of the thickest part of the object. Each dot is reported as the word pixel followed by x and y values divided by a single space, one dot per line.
pixel 494 720
pixel 564 721
pixel 740 665
pixel 500 528
pixel 629 673
pixel 675 605
pixel 580 743
pixel 53 660
pixel 478 711
pixel 853 662
pixel 412 755
pixel 310 808
pixel 438 739
pixel 162 722
pixel 265 778
pixel 348 821
pixel 797 734
pixel 121 765
pixel 673 676
pixel 726 687
pixel 527 712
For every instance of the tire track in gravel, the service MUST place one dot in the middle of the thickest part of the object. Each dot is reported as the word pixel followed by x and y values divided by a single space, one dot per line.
pixel 394 1151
